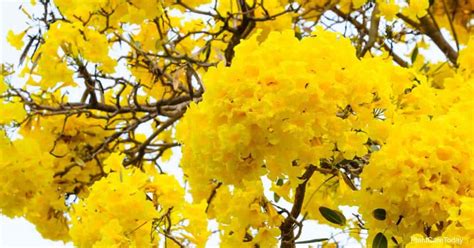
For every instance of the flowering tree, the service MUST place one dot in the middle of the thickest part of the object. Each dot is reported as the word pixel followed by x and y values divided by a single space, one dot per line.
pixel 283 111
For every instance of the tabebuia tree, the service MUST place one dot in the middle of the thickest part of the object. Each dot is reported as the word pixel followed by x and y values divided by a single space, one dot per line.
pixel 241 123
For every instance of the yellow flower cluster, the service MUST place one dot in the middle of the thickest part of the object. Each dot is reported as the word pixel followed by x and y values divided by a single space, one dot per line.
pixel 424 163
pixel 245 217
pixel 78 43
pixel 388 8
pixel 3 83
pixel 47 163
pixel 463 221
pixel 16 40
pixel 106 217
pixel 325 191
pixel 109 15
pixel 116 11
pixel 416 9
pixel 87 37
pixel 285 105
pixel 26 187
pixel 460 13
pixel 448 14
pixel 315 100
pixel 11 111
pixel 273 9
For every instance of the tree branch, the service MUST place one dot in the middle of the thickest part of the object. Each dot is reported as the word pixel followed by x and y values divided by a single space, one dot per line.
pixel 429 28
pixel 286 228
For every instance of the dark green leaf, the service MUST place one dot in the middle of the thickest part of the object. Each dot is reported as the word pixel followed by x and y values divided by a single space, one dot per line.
pixel 394 240
pixel 158 44
pixel 207 51
pixel 298 35
pixel 414 54
pixel 380 214
pixel 279 182
pixel 399 219
pixel 311 241
pixel 431 2
pixel 276 197
pixel 333 216
pixel 380 241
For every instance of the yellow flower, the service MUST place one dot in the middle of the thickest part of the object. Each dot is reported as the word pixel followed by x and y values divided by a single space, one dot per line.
pixel 417 9
pixel 388 9
pixel 114 162
pixel 3 85
pixel 116 212
pixel 12 112
pixel 16 40
pixel 358 3
pixel 466 57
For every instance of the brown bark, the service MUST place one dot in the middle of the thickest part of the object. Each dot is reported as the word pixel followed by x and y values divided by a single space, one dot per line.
pixel 287 227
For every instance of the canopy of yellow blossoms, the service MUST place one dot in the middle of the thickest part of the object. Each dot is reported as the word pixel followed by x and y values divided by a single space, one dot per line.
pixel 136 123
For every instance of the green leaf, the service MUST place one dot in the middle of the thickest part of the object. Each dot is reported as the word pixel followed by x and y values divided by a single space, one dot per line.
pixel 158 44
pixel 431 2
pixel 379 214
pixel 395 241
pixel 333 216
pixel 279 182
pixel 414 54
pixel 80 162
pixel 276 197
pixel 299 35
pixel 311 241
pixel 380 241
